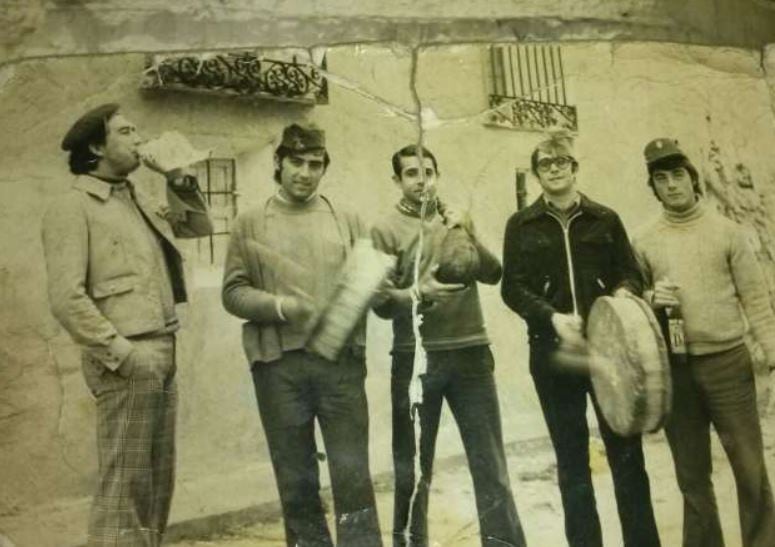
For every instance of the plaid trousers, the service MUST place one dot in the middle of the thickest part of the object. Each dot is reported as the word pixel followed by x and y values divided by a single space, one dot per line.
pixel 136 445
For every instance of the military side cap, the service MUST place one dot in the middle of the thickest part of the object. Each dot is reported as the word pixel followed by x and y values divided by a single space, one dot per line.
pixel 303 137
pixel 662 148
pixel 87 125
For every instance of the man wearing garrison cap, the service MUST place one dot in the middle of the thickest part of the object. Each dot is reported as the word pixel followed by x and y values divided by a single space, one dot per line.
pixel 114 277
pixel 701 262
pixel 282 265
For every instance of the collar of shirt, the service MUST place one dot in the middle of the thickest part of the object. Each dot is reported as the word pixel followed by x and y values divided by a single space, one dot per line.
pixel 100 188
pixel 285 200
pixel 413 209
pixel 572 207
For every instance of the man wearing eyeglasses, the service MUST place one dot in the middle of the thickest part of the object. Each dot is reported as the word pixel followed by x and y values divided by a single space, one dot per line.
pixel 560 254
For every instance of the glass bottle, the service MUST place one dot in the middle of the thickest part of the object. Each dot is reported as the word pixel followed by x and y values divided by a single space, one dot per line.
pixel 676 333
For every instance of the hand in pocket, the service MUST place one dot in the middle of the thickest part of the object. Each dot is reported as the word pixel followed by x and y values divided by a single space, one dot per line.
pixel 127 367
pixel 138 366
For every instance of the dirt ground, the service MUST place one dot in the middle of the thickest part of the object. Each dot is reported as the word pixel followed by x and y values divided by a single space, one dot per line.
pixel 453 520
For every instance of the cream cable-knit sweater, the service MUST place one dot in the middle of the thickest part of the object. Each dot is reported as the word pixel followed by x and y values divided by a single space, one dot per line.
pixel 721 283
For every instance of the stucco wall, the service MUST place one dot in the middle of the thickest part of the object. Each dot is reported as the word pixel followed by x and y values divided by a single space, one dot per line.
pixel 59 27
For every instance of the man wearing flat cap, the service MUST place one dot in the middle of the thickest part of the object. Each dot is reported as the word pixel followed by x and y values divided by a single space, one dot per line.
pixel 282 265
pixel 701 262
pixel 114 277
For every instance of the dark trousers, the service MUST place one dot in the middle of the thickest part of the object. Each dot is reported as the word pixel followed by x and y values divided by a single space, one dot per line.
pixel 464 378
pixel 292 393
pixel 563 398
pixel 136 444
pixel 719 389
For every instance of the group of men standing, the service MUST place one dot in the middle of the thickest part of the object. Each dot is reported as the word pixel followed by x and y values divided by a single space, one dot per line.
pixel 115 276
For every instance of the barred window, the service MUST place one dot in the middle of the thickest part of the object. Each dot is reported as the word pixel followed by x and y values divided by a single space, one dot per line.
pixel 217 179
pixel 527 88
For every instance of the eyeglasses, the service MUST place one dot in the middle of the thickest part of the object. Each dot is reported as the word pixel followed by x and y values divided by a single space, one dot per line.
pixel 545 164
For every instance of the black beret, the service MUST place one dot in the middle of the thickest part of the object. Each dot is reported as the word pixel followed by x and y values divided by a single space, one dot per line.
pixel 85 127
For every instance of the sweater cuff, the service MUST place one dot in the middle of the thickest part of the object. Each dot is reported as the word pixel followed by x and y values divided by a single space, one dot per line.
pixel 278 306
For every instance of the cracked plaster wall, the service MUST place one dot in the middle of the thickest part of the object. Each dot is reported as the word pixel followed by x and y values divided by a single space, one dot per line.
pixel 626 94
pixel 55 27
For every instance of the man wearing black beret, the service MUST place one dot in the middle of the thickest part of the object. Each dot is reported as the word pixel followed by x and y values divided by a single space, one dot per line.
pixel 114 277
pixel 283 263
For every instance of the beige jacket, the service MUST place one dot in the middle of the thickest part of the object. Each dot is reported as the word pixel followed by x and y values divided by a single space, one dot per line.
pixel 96 291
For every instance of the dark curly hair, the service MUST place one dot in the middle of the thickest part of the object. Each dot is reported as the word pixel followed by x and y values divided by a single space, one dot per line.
pixel 283 152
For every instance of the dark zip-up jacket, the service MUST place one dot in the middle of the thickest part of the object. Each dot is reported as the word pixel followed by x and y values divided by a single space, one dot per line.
pixel 549 267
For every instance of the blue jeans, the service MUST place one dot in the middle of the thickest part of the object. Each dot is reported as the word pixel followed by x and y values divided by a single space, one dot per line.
pixel 464 378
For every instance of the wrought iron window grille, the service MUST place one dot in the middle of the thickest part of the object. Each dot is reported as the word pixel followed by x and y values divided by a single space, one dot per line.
pixel 527 89
pixel 245 74
pixel 218 181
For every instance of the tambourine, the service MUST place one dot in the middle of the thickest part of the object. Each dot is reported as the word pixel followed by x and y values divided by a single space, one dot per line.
pixel 628 364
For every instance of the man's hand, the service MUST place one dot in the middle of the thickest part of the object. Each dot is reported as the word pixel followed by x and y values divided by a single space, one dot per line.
pixel 383 293
pixel 183 182
pixel 434 290
pixel 623 292
pixel 133 366
pixel 127 366
pixel 568 328
pixel 664 294
pixel 297 311
pixel 455 217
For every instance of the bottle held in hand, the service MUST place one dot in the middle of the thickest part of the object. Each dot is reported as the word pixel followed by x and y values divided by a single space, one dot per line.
pixel 169 152
pixel 676 333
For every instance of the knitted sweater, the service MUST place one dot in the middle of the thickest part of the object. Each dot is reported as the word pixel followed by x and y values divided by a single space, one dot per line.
pixel 285 249
pixel 456 322
pixel 721 282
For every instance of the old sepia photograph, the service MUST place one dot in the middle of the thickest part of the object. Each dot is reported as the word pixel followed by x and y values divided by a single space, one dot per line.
pixel 413 275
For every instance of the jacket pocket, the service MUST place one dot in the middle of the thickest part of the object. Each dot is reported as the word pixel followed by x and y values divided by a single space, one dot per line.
pixel 112 287
pixel 535 244
pixel 592 286
pixel 597 237
pixel 593 253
